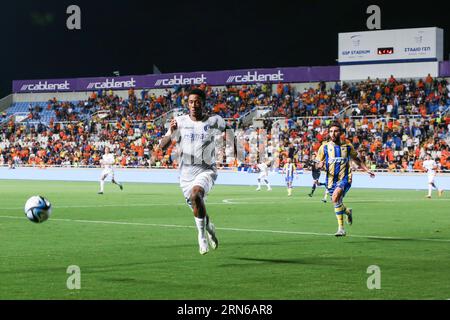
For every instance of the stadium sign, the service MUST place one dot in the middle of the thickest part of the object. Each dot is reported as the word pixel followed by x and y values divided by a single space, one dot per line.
pixel 214 78
pixel 391 46
pixel 180 79
pixel 112 84
pixel 251 77
pixel 44 85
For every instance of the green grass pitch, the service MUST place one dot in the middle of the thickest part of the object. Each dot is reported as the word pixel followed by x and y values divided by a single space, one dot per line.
pixel 141 243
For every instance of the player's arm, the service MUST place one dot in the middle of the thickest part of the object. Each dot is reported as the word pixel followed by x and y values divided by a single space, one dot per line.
pixel 220 124
pixel 167 139
pixel 435 167
pixel 359 163
pixel 320 159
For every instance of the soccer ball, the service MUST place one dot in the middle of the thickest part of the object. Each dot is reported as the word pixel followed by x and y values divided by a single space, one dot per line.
pixel 38 209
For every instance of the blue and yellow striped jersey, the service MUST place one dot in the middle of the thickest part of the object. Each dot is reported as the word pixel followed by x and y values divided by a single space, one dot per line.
pixel 289 169
pixel 337 162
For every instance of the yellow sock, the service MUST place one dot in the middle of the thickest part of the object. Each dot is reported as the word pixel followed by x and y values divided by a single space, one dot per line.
pixel 345 209
pixel 340 219
pixel 289 191
pixel 339 209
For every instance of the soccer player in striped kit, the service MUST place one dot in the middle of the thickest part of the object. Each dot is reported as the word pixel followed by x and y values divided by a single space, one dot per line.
pixel 336 155
pixel 289 171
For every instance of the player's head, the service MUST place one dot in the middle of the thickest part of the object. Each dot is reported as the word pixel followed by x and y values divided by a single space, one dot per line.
pixel 106 150
pixel 289 160
pixel 334 131
pixel 428 156
pixel 196 101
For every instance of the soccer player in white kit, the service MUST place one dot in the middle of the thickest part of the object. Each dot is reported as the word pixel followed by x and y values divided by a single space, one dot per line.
pixel 431 166
pixel 107 162
pixel 264 173
pixel 195 135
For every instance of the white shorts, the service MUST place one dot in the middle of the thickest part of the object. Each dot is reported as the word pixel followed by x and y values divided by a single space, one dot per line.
pixel 431 178
pixel 205 180
pixel 106 172
pixel 262 176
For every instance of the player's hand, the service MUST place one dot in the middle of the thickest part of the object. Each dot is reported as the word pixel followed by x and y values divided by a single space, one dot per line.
pixel 173 125
pixel 320 164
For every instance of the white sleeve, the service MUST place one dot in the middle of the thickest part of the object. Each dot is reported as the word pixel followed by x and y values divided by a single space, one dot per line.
pixel 220 123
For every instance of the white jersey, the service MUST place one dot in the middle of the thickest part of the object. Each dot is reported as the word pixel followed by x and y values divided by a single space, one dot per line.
pixel 264 169
pixel 108 160
pixel 429 165
pixel 195 144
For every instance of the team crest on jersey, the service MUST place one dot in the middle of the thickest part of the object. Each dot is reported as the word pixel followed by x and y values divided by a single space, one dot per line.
pixel 206 128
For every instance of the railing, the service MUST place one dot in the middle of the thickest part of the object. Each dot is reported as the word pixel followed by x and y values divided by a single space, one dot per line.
pixel 341 113
pixel 162 119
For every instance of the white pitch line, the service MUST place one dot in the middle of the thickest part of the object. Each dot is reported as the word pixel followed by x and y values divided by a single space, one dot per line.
pixel 258 201
pixel 238 229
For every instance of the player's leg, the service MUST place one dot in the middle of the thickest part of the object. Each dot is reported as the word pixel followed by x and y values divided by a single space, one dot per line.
pixel 289 187
pixel 339 210
pixel 199 209
pixel 202 184
pixel 431 185
pixel 434 185
pixel 266 181
pixel 116 182
pixel 102 181
pixel 324 199
pixel 259 183
pixel 313 188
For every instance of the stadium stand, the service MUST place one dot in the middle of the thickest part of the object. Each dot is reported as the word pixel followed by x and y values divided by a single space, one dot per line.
pixel 392 124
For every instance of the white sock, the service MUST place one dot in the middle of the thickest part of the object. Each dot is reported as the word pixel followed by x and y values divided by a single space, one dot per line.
pixel 259 185
pixel 429 189
pixel 201 226
pixel 102 184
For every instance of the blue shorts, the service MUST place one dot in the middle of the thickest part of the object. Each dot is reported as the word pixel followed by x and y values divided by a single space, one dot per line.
pixel 289 179
pixel 344 185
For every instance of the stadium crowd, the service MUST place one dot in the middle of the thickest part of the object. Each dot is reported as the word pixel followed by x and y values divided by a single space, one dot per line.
pixel 382 135
pixel 390 98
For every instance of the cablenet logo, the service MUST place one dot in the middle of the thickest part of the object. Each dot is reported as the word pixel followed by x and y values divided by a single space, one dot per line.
pixel 112 84
pixel 45 86
pixel 180 80
pixel 255 77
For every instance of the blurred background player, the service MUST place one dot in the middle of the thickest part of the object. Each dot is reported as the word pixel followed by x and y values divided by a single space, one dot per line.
pixel 195 135
pixel 289 171
pixel 264 173
pixel 313 164
pixel 430 166
pixel 336 156
pixel 107 162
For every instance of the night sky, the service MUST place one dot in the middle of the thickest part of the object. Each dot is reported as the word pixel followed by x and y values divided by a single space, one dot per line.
pixel 182 36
